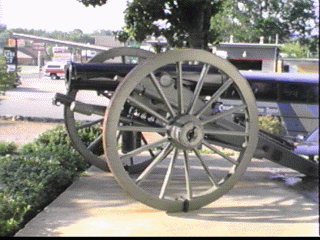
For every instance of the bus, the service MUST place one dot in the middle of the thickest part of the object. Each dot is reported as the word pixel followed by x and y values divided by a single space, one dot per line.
pixel 291 97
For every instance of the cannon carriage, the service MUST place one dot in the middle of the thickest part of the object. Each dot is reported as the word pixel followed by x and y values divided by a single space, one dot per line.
pixel 164 135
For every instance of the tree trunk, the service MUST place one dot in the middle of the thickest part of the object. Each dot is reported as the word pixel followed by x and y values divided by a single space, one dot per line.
pixel 195 31
pixel 197 22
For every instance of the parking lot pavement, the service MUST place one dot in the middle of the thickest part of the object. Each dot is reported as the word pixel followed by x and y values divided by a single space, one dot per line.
pixel 26 69
pixel 33 98
pixel 258 205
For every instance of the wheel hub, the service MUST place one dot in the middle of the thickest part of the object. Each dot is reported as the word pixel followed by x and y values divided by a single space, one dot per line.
pixel 186 132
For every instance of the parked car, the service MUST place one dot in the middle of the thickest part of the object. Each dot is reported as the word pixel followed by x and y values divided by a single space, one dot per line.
pixel 55 70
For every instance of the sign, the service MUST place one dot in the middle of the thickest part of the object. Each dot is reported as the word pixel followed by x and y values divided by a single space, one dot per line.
pixel 10 55
pixel 60 50
pixel 12 42
pixel 39 46
pixel 61 54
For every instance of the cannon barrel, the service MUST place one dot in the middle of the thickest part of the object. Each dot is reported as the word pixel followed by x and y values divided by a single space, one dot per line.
pixel 104 76
pixel 95 76
pixel 86 71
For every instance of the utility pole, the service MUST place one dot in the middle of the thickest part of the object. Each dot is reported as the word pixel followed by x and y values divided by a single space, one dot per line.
pixel 16 50
pixel 39 63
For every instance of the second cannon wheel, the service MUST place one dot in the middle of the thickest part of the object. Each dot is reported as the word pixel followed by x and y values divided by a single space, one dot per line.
pixel 79 124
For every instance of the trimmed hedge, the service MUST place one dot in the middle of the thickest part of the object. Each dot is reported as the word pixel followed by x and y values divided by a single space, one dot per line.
pixel 7 147
pixel 34 175
pixel 272 125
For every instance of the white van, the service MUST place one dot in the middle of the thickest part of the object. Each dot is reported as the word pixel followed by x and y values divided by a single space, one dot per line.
pixel 55 70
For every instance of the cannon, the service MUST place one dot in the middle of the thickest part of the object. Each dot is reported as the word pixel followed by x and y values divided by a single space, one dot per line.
pixel 164 136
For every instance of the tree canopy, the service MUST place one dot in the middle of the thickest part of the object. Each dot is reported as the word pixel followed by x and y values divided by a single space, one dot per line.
pixel 195 23
pixel 247 20
pixel 295 50
pixel 93 2
pixel 181 22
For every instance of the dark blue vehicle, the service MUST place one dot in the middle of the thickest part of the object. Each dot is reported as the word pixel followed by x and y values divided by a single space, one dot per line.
pixel 292 97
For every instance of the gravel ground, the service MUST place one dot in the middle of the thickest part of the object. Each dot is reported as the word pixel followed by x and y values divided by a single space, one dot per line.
pixel 21 132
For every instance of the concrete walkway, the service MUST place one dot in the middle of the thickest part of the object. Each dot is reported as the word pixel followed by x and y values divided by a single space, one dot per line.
pixel 261 204
pixel 95 205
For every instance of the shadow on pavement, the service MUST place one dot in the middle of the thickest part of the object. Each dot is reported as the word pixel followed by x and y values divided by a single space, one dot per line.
pixel 96 203
pixel 27 90
pixel 283 211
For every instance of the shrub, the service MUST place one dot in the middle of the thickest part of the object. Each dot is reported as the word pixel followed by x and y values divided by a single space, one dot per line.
pixel 87 135
pixel 271 124
pixel 12 211
pixel 36 174
pixel 28 182
pixel 7 148
pixel 50 140
pixel 6 78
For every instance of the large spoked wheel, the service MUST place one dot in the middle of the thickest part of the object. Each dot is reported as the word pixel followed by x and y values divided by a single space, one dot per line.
pixel 202 152
pixel 85 132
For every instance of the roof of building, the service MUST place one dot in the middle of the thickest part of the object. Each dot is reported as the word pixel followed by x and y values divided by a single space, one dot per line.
pixel 249 45
pixel 300 59
pixel 108 41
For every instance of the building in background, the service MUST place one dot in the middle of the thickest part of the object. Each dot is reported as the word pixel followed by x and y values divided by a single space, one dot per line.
pixel 300 65
pixel 107 41
pixel 250 56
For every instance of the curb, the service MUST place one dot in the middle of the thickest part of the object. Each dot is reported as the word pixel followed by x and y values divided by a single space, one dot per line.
pixel 30 119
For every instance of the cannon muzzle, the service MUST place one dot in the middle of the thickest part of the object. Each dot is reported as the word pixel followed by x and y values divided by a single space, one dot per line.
pixel 95 76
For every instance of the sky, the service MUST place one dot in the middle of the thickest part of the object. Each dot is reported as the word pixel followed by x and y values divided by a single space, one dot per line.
pixel 63 15
pixel 66 15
